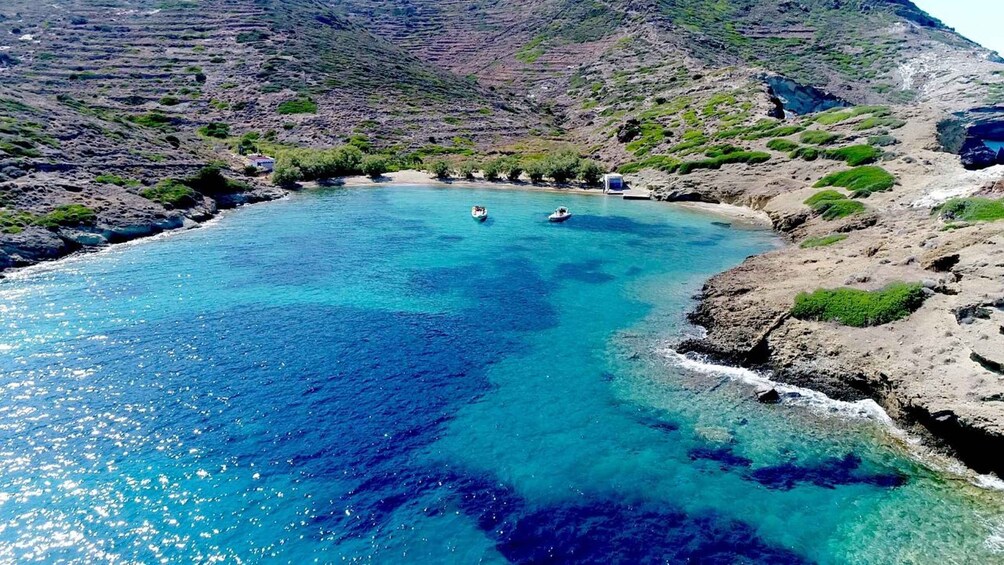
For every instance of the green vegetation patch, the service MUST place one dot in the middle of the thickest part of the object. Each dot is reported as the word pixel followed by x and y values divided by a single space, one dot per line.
pixel 862 181
pixel 784 145
pixel 860 308
pixel 832 205
pixel 532 51
pixel 805 153
pixel 824 241
pixel 153 120
pixel 749 157
pixel 819 137
pixel 14 221
pixel 872 122
pixel 67 215
pixel 837 115
pixel 299 106
pixel 972 210
pixel 855 155
pixel 219 130
pixel 116 180
pixel 171 193
pixel 658 162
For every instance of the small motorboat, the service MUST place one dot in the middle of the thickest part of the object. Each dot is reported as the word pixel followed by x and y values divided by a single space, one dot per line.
pixel 559 215
pixel 479 213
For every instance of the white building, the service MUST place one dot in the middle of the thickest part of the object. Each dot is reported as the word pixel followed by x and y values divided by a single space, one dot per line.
pixel 263 163
pixel 613 182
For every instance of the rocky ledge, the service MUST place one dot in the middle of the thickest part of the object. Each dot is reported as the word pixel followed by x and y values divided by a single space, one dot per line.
pixel 115 222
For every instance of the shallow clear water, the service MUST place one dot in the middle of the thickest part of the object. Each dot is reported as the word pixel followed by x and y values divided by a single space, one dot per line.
pixel 369 375
pixel 995 145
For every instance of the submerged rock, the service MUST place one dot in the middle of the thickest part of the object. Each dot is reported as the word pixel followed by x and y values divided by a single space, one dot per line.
pixel 976 155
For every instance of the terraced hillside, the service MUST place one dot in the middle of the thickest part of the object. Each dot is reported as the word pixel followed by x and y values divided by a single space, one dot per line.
pixel 109 100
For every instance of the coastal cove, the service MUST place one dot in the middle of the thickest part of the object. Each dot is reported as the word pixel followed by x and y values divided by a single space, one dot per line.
pixel 369 374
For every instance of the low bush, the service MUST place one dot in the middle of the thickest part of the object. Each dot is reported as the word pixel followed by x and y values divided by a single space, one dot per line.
pixel 882 140
pixel 855 155
pixel 511 168
pixel 832 205
pixel 823 241
pixel 219 130
pixel 169 101
pixel 14 221
pixel 784 145
pixel 880 121
pixel 171 193
pixel 750 157
pixel 116 180
pixel 862 181
pixel 299 106
pixel 67 215
pixel 860 308
pixel 972 210
pixel 818 137
pixel 662 163
pixel 805 153
pixel 153 120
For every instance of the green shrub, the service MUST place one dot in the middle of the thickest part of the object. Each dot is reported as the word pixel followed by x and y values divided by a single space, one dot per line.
pixel 855 155
pixel 467 169
pixel 511 168
pixel 784 145
pixel 591 172
pixel 658 162
pixel 750 157
pixel 440 169
pixel 972 210
pixel 287 176
pixel 883 140
pixel 169 101
pixel 862 181
pixel 837 115
pixel 294 165
pixel 153 120
pixel 823 241
pixel 818 137
pixel 67 215
pixel 116 180
pixel 880 121
pixel 824 196
pixel 14 221
pixel 211 181
pixel 299 106
pixel 562 167
pixel 536 170
pixel 805 153
pixel 832 205
pixel 218 130
pixel 492 171
pixel 374 166
pixel 860 308
pixel 171 193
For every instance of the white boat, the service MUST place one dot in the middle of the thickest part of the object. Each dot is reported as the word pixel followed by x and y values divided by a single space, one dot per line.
pixel 479 213
pixel 559 215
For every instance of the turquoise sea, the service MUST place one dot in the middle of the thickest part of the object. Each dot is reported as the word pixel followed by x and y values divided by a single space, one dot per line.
pixel 368 375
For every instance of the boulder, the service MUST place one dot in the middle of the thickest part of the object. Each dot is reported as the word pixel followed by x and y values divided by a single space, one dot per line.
pixel 629 130
pixel 768 395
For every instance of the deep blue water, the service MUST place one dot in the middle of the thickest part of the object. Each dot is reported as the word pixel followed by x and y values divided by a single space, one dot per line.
pixel 369 375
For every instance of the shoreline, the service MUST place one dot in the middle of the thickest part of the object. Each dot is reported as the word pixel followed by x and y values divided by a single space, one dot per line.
pixel 942 460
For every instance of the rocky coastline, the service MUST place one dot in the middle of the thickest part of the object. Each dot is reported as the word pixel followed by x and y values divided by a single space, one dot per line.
pixel 939 373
